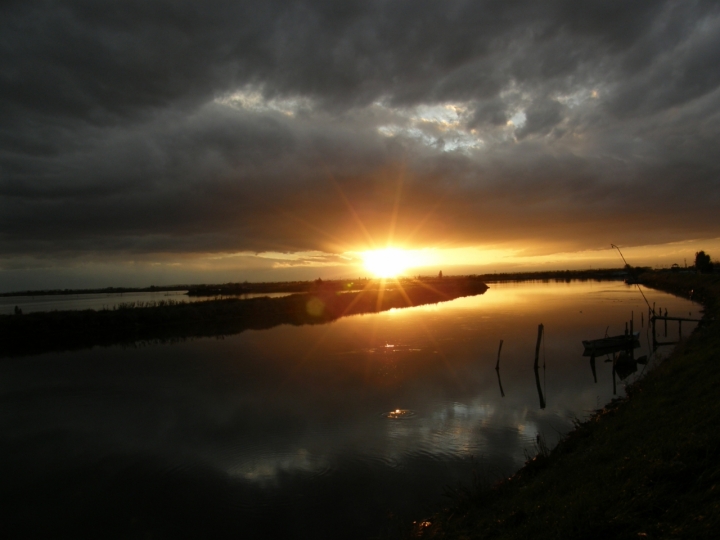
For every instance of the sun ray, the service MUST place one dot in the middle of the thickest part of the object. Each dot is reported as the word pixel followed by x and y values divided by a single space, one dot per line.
pixel 433 289
pixel 422 221
pixel 357 298
pixel 352 211
pixel 396 206
pixel 403 293
pixel 310 226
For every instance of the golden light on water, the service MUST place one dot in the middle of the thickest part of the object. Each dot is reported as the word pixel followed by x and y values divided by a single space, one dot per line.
pixel 399 414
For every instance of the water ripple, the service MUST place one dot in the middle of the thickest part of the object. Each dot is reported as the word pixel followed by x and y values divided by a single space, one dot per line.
pixel 399 414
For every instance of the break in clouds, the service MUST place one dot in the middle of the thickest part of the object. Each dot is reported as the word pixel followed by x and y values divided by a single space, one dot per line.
pixel 170 128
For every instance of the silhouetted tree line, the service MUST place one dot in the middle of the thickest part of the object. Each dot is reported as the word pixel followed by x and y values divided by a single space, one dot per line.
pixel 597 274
pixel 703 263
pixel 105 290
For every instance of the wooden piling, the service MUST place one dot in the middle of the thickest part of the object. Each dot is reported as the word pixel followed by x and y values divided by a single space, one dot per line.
pixel 684 319
pixel 537 345
pixel 614 384
pixel 502 392
pixel 653 334
pixel 539 387
pixel 497 366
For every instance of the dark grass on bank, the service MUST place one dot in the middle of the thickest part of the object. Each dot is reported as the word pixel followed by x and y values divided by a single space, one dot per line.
pixel 646 466
pixel 35 333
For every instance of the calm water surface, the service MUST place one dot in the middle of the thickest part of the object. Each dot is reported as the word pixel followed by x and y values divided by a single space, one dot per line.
pixel 289 432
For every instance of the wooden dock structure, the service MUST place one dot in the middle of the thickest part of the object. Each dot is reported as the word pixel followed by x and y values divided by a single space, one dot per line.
pixel 666 318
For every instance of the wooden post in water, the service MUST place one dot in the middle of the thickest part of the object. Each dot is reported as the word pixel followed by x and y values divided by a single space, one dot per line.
pixel 614 386
pixel 680 330
pixel 539 387
pixel 653 332
pixel 642 320
pixel 497 366
pixel 502 392
pixel 537 345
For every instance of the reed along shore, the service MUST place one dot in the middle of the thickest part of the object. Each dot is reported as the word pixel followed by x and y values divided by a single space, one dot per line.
pixel 36 333
pixel 645 466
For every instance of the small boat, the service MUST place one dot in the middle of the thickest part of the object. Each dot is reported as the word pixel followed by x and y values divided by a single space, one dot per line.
pixel 623 340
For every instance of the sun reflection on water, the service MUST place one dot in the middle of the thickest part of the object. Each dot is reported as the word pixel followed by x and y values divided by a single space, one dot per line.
pixel 399 413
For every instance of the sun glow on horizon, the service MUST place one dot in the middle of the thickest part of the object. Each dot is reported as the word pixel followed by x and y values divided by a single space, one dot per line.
pixel 388 262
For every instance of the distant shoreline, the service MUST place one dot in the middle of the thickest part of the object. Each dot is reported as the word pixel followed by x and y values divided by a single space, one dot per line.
pixel 237 289
pixel 106 290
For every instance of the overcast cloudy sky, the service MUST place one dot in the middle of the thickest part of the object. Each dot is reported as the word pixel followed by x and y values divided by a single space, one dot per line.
pixel 172 141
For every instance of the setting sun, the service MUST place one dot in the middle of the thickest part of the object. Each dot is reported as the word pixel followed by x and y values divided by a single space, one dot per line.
pixel 389 262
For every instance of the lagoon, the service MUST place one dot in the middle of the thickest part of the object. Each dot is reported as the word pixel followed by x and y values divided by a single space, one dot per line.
pixel 340 430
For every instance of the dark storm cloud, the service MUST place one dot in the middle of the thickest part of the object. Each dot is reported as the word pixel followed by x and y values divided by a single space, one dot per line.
pixel 490 112
pixel 541 117
pixel 106 61
pixel 178 127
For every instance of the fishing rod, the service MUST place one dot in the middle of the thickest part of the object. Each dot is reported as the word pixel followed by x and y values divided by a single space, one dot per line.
pixel 638 285
pixel 620 252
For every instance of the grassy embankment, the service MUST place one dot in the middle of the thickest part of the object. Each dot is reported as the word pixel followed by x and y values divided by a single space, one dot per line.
pixel 34 333
pixel 646 466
